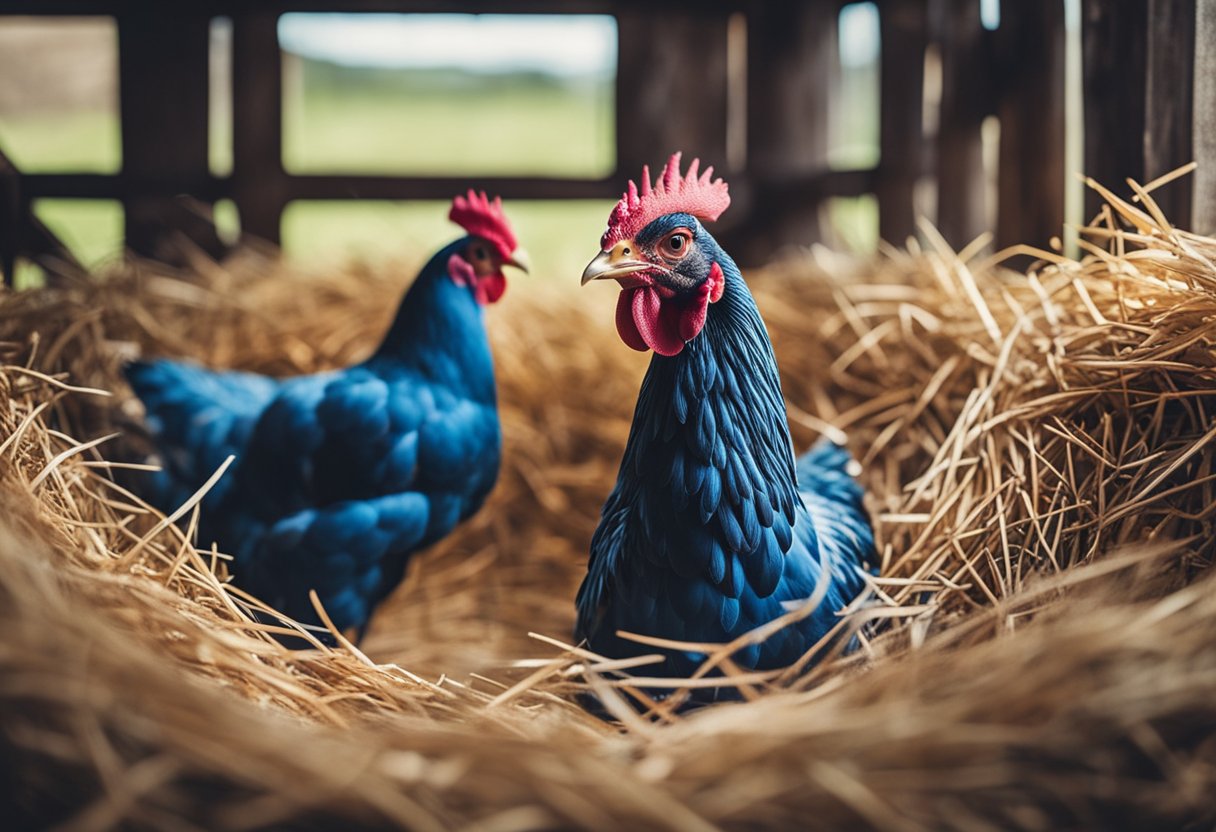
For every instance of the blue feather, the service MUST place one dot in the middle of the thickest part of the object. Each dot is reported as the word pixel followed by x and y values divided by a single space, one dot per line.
pixel 710 422
pixel 339 476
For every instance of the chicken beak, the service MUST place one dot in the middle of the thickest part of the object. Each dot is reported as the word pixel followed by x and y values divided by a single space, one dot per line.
pixel 613 263
pixel 520 259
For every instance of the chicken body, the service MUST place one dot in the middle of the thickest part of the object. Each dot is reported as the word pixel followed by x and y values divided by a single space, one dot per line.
pixel 713 528
pixel 339 477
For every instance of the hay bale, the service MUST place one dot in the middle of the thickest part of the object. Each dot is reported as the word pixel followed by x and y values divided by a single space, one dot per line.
pixel 1040 459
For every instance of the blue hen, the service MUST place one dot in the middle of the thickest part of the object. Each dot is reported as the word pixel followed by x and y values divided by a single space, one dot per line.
pixel 339 477
pixel 713 528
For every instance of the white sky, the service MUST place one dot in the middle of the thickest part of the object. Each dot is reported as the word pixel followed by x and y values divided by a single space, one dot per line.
pixel 561 44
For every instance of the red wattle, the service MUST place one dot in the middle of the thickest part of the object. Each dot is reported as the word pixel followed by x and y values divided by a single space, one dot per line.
pixel 650 319
pixel 490 288
pixel 625 326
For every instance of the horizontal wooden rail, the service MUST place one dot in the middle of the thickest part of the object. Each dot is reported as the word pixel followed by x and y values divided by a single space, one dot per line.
pixel 232 7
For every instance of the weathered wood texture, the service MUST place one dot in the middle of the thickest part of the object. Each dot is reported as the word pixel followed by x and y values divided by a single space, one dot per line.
pixel 966 101
pixel 11 213
pixel 23 234
pixel 903 30
pixel 674 96
pixel 793 66
pixel 1114 49
pixel 162 71
pixel 258 185
pixel 1030 181
pixel 1169 96
pixel 1204 131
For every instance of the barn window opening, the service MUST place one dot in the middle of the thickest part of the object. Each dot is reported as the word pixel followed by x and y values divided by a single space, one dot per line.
pixel 854 116
pixel 853 224
pixel 449 94
pixel 990 14
pixel 59 99
pixel 92 229
pixel 219 97
pixel 379 231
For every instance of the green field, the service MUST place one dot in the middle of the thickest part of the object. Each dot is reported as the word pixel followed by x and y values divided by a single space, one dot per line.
pixel 340 119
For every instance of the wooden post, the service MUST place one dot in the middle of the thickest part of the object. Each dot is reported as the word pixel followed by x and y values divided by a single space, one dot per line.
pixel 671 90
pixel 1204 135
pixel 1114 48
pixel 1031 177
pixel 10 220
pixel 966 97
pixel 903 28
pixel 258 181
pixel 1168 103
pixel 792 68
pixel 163 73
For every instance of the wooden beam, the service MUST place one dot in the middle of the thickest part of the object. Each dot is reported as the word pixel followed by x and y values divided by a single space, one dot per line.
pixel 1169 95
pixel 966 96
pixel 903 27
pixel 163 74
pixel 213 8
pixel 23 234
pixel 1204 133
pixel 1114 47
pixel 671 89
pixel 11 212
pixel 258 186
pixel 792 68
pixel 1031 111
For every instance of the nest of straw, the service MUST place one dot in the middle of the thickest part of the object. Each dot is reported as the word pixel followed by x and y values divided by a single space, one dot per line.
pixel 1037 653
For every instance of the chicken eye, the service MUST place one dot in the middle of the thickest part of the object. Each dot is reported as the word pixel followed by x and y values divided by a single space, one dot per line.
pixel 675 246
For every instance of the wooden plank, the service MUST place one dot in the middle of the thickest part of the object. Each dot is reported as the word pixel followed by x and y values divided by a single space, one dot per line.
pixel 1168 103
pixel 258 186
pixel 164 114
pixel 1114 48
pixel 793 64
pixel 1030 207
pixel 214 8
pixel 23 234
pixel 966 97
pixel 11 211
pixel 671 90
pixel 903 27
pixel 1204 133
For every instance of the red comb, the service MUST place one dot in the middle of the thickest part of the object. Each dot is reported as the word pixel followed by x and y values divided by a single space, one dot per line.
pixel 705 198
pixel 477 215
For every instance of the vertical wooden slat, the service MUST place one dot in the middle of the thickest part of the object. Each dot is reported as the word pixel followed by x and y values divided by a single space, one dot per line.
pixel 792 68
pixel 10 219
pixel 1114 47
pixel 163 73
pixel 966 96
pixel 1204 135
pixel 258 182
pixel 1168 102
pixel 671 91
pixel 903 28
pixel 1031 170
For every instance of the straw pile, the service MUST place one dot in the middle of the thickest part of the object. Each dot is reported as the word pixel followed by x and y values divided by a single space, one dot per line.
pixel 1038 653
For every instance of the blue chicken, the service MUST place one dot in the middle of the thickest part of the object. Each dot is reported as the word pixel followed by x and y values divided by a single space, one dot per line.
pixel 713 528
pixel 340 476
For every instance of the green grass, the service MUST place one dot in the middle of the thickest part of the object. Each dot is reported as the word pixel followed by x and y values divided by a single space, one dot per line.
pixel 92 229
pixel 561 236
pixel 542 129
pixel 40 142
